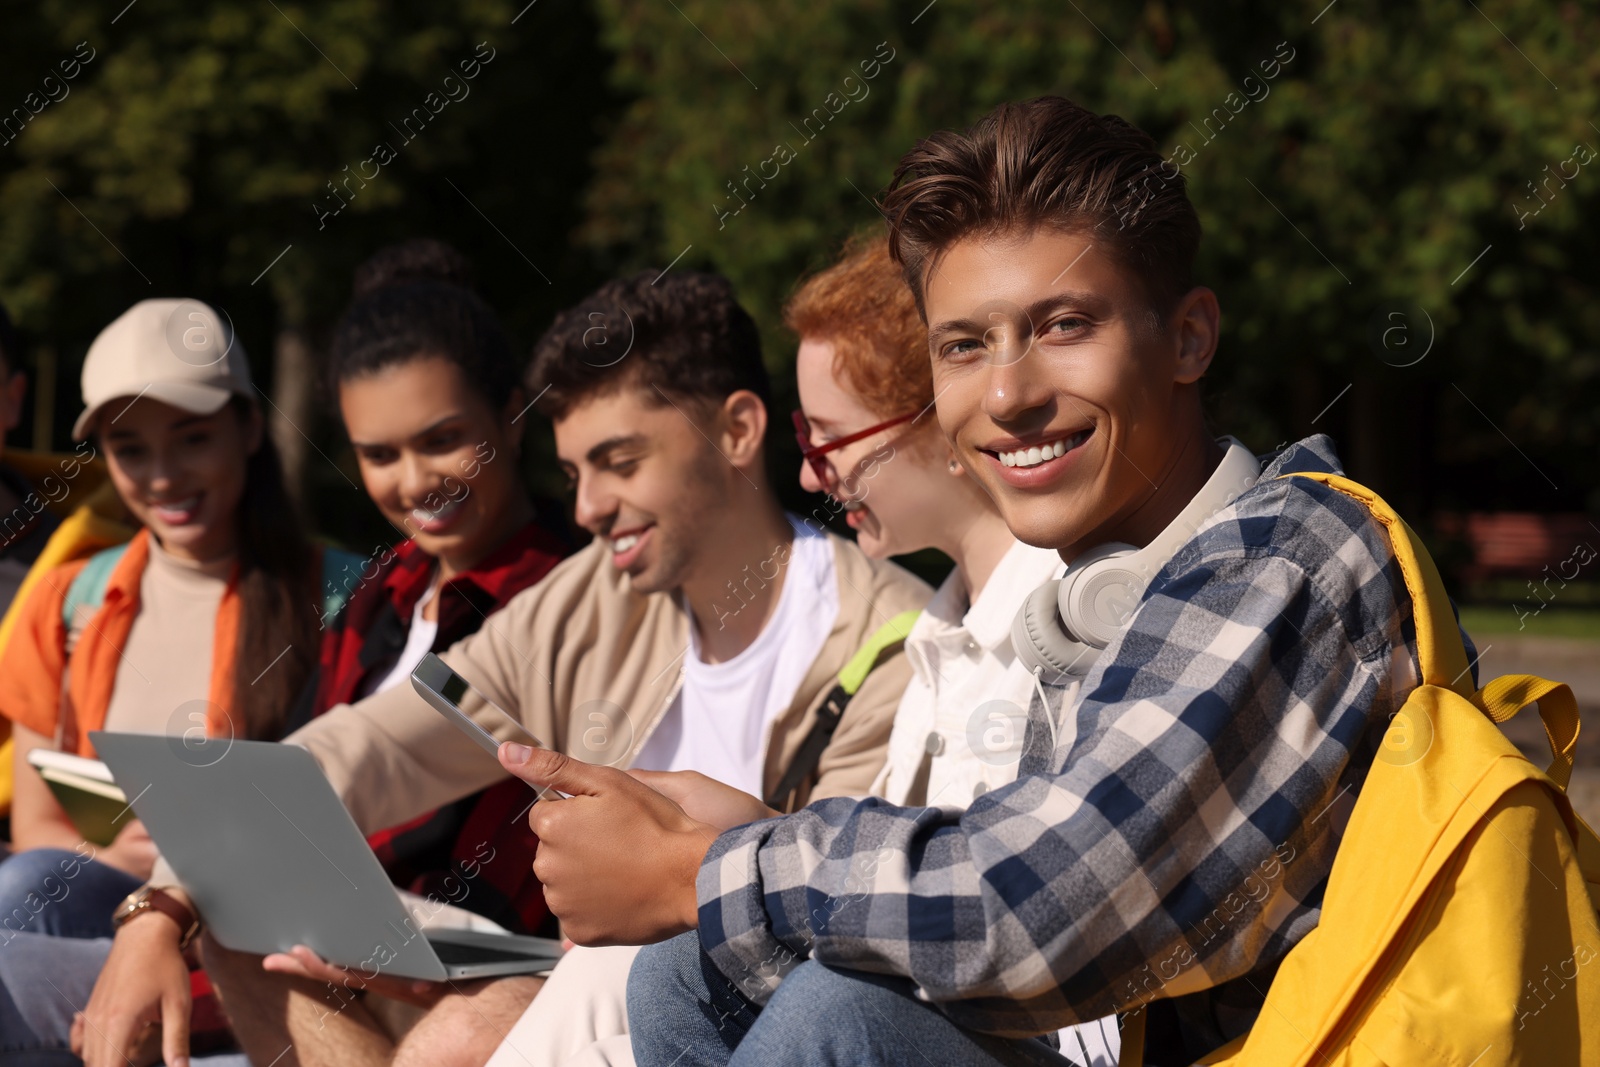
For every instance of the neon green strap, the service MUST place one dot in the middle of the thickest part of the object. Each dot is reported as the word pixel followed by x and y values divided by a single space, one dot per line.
pixel 886 636
pixel 831 710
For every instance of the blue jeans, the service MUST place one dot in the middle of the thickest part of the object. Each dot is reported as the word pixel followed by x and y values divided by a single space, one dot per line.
pixel 44 981
pixel 682 1011
pixel 55 891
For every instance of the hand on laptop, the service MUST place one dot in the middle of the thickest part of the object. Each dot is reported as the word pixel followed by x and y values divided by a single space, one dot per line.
pixel 618 860
pixel 144 982
pixel 707 800
pixel 301 961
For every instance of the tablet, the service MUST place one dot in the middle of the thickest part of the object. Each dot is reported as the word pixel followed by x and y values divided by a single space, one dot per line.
pixel 443 688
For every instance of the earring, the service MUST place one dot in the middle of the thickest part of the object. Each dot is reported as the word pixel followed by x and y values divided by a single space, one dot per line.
pixel 954 466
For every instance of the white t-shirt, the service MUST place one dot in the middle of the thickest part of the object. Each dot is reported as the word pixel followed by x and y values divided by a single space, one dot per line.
pixel 958 731
pixel 719 722
pixel 419 640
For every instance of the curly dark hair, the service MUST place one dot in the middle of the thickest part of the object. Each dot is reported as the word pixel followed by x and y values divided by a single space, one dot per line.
pixel 421 259
pixel 684 335
pixel 412 301
pixel 1045 162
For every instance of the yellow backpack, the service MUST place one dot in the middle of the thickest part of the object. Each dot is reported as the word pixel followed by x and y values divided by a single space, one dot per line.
pixel 93 518
pixel 1459 926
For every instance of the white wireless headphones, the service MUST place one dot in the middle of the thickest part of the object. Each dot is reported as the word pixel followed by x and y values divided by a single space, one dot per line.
pixel 1064 624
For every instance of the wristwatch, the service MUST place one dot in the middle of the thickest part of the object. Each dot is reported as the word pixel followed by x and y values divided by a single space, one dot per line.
pixel 149 898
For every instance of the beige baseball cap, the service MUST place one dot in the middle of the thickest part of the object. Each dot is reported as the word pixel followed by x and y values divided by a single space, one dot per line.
pixel 180 352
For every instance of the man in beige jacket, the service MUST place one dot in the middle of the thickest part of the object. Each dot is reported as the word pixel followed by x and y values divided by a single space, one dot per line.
pixel 704 628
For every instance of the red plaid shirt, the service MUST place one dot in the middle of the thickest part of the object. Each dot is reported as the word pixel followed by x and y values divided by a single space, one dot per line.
pixel 480 842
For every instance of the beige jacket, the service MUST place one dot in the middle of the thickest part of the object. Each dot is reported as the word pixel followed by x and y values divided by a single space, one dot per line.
pixel 588 666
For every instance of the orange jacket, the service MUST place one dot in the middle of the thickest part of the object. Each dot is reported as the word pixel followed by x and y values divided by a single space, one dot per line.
pixel 93 518
pixel 35 657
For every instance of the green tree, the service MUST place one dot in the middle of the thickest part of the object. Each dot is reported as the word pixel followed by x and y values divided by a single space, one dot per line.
pixel 251 155
pixel 1394 144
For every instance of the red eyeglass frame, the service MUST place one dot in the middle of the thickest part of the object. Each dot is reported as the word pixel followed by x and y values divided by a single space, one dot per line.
pixel 813 454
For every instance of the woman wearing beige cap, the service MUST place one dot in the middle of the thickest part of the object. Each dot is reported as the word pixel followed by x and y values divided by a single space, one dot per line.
pixel 206 622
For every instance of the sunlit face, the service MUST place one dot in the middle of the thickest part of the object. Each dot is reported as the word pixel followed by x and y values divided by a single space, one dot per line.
pixel 647 481
pixel 435 456
pixel 181 475
pixel 1058 388
pixel 887 482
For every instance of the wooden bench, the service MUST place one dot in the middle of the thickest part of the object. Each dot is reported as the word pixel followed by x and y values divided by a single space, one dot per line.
pixel 1521 544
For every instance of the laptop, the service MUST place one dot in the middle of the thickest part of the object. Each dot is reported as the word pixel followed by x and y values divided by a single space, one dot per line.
pixel 272 859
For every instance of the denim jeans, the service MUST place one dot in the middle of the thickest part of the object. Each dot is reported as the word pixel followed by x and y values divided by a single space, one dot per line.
pixel 44 981
pixel 55 891
pixel 683 1012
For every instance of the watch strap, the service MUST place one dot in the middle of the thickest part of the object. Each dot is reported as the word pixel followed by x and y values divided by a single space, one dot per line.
pixel 151 898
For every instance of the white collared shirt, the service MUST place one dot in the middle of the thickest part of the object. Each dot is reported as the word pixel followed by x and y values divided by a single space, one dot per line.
pixel 961 720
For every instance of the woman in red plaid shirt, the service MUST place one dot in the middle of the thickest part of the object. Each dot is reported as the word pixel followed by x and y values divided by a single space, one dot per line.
pixel 427 385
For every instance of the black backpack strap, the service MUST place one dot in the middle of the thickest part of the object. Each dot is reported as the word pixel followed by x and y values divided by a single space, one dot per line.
pixel 886 638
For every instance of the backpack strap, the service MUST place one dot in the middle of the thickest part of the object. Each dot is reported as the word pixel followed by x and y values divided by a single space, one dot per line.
pixel 341 575
pixel 1444 659
pixel 886 638
pixel 88 588
pixel 1504 697
pixel 1441 656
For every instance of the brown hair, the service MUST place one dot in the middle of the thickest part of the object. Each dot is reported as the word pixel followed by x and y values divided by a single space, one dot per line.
pixel 681 335
pixel 280 596
pixel 1046 162
pixel 861 305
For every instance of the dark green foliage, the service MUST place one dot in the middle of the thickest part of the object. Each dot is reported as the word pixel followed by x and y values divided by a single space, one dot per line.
pixel 1396 144
pixel 1399 139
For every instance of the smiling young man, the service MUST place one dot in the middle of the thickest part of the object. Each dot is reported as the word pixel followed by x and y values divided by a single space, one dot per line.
pixel 1176 844
pixel 619 656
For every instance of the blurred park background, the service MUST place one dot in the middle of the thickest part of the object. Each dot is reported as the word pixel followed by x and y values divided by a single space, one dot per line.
pixel 1401 205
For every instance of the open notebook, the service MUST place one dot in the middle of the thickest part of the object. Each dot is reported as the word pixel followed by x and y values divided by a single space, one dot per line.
pixel 85 789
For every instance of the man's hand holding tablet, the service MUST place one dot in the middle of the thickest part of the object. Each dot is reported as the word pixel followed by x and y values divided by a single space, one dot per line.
pixel 618 863
pixel 618 860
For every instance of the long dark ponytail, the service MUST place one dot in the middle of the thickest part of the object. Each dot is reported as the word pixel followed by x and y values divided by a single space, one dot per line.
pixel 279 591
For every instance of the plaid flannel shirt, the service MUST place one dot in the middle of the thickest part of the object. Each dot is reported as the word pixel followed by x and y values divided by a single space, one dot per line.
pixel 1177 847
pixel 482 832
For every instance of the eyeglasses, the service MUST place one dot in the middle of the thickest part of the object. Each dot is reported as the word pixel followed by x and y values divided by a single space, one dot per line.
pixel 813 454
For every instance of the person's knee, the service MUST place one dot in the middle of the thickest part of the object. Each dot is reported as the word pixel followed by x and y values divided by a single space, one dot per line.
pixel 238 976
pixel 663 974
pixel 31 882
pixel 465 1027
pixel 858 1008
pixel 220 960
pixel 812 983
pixel 677 998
